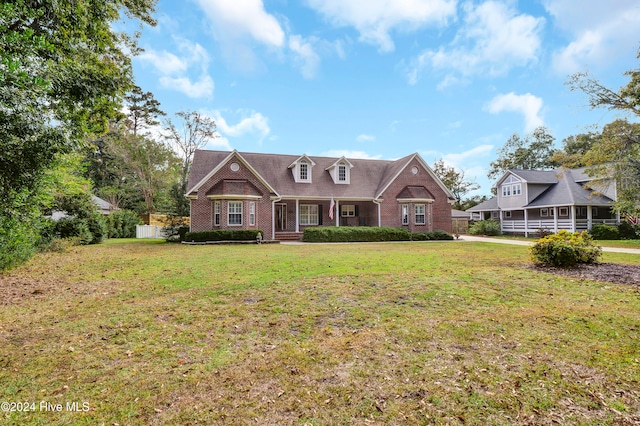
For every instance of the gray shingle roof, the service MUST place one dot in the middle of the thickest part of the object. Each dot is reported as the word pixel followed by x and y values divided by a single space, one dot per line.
pixel 569 192
pixel 490 204
pixel 368 178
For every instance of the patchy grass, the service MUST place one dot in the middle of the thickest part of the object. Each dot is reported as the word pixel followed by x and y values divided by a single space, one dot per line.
pixel 399 333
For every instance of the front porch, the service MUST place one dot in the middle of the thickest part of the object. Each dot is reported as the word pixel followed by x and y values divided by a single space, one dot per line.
pixel 553 219
pixel 292 216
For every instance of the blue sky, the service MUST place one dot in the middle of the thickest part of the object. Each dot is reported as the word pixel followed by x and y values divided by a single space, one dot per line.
pixel 386 78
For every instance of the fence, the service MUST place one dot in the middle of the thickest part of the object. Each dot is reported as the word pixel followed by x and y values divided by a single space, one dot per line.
pixel 149 231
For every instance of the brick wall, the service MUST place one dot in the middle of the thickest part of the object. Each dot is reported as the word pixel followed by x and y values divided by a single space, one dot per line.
pixel 202 208
pixel 438 213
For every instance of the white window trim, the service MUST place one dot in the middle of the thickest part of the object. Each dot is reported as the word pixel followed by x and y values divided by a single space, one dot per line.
pixel 404 214
pixel 307 214
pixel 423 214
pixel 507 214
pixel 563 211
pixel 252 213
pixel 230 212
pixel 348 210
pixel 216 213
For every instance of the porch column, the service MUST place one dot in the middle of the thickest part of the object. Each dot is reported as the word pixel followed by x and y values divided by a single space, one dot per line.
pixel 617 218
pixel 555 219
pixel 574 226
pixel 297 215
pixel 501 221
pixel 589 218
pixel 337 213
pixel 526 223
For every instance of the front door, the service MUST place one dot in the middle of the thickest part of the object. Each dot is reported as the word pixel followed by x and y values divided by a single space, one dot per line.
pixel 281 217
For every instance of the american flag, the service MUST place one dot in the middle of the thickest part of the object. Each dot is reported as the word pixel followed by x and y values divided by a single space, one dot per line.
pixel 331 207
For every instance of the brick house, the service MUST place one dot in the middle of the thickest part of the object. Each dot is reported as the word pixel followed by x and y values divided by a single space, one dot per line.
pixel 283 194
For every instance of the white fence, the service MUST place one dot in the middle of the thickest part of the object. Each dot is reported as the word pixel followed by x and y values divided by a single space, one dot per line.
pixel 149 231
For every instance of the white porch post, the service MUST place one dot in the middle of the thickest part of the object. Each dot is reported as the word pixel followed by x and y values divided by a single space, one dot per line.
pixel 501 221
pixel 526 222
pixel 555 219
pixel 617 218
pixel 574 226
pixel 337 216
pixel 589 218
pixel 297 215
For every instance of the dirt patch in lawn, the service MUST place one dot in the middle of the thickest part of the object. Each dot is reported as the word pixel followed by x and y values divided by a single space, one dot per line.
pixel 618 273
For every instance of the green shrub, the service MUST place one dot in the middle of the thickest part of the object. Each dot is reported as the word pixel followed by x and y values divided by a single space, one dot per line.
pixel 223 235
pixel 604 232
pixel 71 227
pixel 18 241
pixel 485 227
pixel 122 224
pixel 433 235
pixel 628 231
pixel 565 249
pixel 333 234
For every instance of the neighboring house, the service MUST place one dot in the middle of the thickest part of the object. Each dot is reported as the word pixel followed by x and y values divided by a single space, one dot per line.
pixel 530 200
pixel 284 194
pixel 105 208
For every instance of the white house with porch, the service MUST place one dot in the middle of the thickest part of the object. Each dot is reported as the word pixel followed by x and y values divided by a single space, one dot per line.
pixel 530 200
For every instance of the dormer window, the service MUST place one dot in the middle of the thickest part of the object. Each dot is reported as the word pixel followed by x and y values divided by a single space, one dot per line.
pixel 340 171
pixel 301 169
pixel 511 187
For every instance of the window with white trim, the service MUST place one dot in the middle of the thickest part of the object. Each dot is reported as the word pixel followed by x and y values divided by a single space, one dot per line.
pixel 405 214
pixel 252 213
pixel 235 213
pixel 342 172
pixel 308 214
pixel 304 170
pixel 511 187
pixel 516 189
pixel 507 214
pixel 563 211
pixel 546 212
pixel 348 210
pixel 420 214
pixel 216 213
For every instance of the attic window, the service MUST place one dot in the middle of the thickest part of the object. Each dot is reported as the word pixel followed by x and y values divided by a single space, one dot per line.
pixel 342 172
pixel 304 170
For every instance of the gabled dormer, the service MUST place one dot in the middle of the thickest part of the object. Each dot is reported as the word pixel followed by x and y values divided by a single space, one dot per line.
pixel 340 171
pixel 302 169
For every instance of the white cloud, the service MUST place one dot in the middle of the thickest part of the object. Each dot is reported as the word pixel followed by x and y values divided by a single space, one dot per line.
pixel 375 19
pixel 350 154
pixel 306 57
pixel 493 39
pixel 528 105
pixel 174 70
pixel 601 32
pixel 202 88
pixel 456 159
pixel 165 62
pixel 365 138
pixel 242 18
pixel 254 123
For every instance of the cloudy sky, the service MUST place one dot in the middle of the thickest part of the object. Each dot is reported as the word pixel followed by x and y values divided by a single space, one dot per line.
pixel 386 78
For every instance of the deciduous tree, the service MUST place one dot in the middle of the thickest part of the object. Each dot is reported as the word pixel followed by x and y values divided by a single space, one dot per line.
pixel 455 181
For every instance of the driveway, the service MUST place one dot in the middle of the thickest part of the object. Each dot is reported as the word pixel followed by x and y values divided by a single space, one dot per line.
pixel 528 243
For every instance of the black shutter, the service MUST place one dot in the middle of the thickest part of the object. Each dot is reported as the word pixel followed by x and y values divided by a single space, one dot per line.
pixel 357 214
pixel 320 214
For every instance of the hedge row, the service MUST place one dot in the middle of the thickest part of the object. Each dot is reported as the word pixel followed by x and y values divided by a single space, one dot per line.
pixel 333 234
pixel 222 235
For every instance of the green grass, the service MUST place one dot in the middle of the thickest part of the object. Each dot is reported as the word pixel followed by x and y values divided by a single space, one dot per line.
pixel 398 333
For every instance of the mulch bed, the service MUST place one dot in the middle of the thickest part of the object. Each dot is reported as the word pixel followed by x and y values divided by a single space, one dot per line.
pixel 607 272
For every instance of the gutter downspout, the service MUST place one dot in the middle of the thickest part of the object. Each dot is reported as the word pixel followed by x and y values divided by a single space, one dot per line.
pixel 273 216
pixel 378 204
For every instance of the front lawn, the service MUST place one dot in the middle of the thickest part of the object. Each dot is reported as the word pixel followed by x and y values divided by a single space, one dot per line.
pixel 148 333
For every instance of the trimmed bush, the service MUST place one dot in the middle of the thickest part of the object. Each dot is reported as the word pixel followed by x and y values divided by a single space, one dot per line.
pixel 604 232
pixel 333 234
pixel 485 227
pixel 565 249
pixel 433 235
pixel 223 235
pixel 628 231
pixel 122 224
